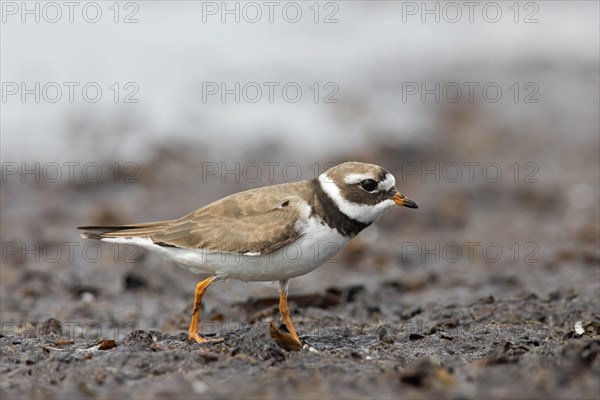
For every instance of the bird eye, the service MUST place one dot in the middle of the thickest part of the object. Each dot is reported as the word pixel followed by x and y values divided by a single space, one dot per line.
pixel 369 185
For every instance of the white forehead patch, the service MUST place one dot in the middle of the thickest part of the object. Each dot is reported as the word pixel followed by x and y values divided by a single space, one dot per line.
pixel 360 212
pixel 388 183
pixel 351 179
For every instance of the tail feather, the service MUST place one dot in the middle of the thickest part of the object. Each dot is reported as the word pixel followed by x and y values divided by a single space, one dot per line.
pixel 114 231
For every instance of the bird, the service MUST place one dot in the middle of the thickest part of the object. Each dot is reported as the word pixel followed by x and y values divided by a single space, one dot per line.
pixel 272 233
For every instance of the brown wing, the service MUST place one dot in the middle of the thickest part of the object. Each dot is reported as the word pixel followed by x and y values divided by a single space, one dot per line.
pixel 256 221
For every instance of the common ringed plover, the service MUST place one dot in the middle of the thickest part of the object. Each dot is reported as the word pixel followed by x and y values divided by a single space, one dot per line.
pixel 272 233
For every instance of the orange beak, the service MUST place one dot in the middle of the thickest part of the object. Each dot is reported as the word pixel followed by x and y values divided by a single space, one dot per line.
pixel 402 200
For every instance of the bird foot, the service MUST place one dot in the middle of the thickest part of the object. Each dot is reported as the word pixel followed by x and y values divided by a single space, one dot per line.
pixel 282 336
pixel 199 339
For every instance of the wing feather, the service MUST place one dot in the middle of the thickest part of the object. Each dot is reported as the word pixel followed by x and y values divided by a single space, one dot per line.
pixel 256 221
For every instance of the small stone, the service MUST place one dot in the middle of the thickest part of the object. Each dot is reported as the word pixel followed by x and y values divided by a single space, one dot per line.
pixel 208 356
pixel 579 328
pixel 384 335
pixel 88 297
pixel 62 341
pixel 52 325
pixel 107 344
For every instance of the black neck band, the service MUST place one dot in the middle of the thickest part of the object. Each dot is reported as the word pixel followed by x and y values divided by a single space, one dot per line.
pixel 331 214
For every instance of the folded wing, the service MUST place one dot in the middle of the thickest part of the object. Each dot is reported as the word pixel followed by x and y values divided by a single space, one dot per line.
pixel 254 222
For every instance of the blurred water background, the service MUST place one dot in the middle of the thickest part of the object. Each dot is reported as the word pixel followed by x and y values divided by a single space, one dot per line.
pixel 372 52
pixel 380 63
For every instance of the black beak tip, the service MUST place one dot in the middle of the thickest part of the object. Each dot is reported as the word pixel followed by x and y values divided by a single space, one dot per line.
pixel 410 204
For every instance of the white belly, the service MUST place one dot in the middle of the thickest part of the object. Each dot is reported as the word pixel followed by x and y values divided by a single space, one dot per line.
pixel 316 245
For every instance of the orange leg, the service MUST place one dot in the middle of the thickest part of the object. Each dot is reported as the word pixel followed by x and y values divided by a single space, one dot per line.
pixel 288 340
pixel 193 331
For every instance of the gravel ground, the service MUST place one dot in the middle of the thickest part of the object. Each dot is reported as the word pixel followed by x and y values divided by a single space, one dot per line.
pixel 386 318
pixel 525 347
